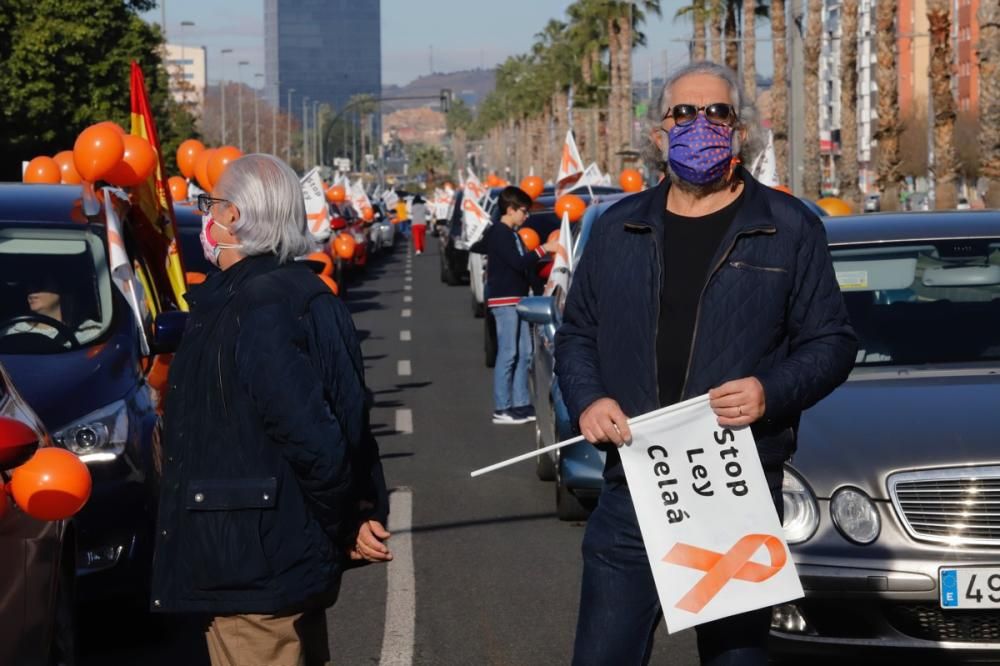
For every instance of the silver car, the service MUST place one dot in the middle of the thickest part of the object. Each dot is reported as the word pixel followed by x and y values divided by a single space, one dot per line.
pixel 892 501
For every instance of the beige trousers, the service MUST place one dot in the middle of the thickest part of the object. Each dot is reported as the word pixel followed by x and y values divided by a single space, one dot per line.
pixel 269 640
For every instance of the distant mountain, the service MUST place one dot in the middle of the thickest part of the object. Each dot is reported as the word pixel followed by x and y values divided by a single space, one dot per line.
pixel 471 85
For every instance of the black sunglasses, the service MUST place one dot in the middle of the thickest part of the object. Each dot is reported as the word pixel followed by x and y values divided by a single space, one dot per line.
pixel 206 202
pixel 718 113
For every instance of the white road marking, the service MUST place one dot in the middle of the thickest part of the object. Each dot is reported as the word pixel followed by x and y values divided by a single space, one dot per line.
pixel 409 278
pixel 407 312
pixel 401 592
pixel 408 287
pixel 403 368
pixel 404 336
pixel 407 299
pixel 404 421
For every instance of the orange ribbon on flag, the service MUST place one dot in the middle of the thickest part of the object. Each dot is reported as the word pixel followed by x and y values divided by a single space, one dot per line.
pixel 720 568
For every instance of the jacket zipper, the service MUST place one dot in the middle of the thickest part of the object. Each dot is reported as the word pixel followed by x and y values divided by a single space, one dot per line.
pixel 701 295
pixel 769 269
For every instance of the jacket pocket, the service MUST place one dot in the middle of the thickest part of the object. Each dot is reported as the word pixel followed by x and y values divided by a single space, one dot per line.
pixel 224 538
pixel 742 265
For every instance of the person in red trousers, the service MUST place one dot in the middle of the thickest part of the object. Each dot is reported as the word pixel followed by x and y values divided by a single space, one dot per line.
pixel 418 214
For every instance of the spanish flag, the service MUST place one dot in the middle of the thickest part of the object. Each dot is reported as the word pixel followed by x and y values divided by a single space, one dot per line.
pixel 153 211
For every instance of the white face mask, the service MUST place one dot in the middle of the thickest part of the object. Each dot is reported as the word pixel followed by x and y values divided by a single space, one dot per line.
pixel 209 246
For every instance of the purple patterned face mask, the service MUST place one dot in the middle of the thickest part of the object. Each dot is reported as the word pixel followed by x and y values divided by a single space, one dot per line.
pixel 700 153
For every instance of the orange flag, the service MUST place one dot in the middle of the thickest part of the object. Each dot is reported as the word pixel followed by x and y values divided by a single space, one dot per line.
pixel 153 212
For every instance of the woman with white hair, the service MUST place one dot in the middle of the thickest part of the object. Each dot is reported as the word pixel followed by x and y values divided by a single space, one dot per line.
pixel 271 476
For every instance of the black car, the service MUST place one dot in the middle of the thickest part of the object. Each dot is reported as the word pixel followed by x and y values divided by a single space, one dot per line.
pixel 454 248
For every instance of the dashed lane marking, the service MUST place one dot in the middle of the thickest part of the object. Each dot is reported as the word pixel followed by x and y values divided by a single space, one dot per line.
pixel 407 312
pixel 404 336
pixel 403 368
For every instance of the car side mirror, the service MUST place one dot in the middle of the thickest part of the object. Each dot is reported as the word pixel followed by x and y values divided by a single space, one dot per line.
pixel 18 442
pixel 537 310
pixel 168 329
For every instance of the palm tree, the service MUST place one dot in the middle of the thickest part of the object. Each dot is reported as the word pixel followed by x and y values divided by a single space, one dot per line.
pixel 717 15
pixel 699 16
pixel 750 48
pixel 811 48
pixel 779 91
pixel 945 170
pixel 887 79
pixel 989 99
pixel 848 170
pixel 732 39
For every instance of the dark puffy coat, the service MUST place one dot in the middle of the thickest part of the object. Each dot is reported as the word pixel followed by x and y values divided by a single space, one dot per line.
pixel 269 461
pixel 771 308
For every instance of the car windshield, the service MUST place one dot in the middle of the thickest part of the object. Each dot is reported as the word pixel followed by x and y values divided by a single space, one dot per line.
pixel 926 303
pixel 55 290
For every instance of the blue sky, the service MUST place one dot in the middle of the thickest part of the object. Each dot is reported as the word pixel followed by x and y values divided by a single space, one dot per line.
pixel 461 37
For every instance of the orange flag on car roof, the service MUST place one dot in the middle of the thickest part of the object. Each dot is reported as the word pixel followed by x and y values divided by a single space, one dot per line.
pixel 153 213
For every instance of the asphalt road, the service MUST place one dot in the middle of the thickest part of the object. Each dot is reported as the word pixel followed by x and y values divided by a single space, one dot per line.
pixel 484 572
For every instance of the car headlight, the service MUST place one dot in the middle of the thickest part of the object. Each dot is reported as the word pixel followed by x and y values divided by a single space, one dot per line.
pixel 98 436
pixel 855 515
pixel 801 510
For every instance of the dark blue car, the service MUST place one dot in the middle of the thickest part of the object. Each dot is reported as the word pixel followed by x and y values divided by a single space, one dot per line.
pixel 80 354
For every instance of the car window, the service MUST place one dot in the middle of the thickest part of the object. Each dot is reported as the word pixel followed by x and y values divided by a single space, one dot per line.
pixel 53 283
pixel 919 304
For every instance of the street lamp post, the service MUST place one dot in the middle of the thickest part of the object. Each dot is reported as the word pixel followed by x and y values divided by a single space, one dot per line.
pixel 274 118
pixel 314 144
pixel 239 68
pixel 184 24
pixel 288 140
pixel 305 132
pixel 222 90
pixel 256 114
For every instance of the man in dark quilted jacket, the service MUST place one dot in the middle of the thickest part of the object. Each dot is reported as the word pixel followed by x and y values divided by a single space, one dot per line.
pixel 272 483
pixel 707 283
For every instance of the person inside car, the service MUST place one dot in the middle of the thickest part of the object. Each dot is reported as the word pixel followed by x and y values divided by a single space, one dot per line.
pixel 46 300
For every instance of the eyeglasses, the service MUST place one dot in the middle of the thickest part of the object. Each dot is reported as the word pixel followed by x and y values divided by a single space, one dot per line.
pixel 718 113
pixel 206 202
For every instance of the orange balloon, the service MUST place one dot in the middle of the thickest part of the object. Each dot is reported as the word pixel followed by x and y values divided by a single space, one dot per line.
pixel 323 258
pixel 530 238
pixel 783 188
pixel 201 168
pixel 367 214
pixel 533 186
pixel 344 245
pixel 178 188
pixel 331 283
pixel 53 485
pixel 220 159
pixel 67 169
pixel 834 206
pixel 16 436
pixel 42 169
pixel 336 194
pixel 194 277
pixel 630 180
pixel 187 153
pixel 97 151
pixel 572 204
pixel 112 125
pixel 554 236
pixel 138 162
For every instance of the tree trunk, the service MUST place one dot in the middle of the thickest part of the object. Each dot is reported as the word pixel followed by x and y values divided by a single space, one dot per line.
pixel 698 16
pixel 625 65
pixel 989 99
pixel 779 92
pixel 887 134
pixel 811 47
pixel 944 170
pixel 732 45
pixel 848 170
pixel 750 49
pixel 717 16
pixel 613 104
pixel 604 140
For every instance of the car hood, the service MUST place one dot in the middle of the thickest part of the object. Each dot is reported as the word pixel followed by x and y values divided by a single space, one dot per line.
pixel 64 387
pixel 887 420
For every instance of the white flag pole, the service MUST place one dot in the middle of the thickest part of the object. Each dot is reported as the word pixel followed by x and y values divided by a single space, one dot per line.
pixel 558 445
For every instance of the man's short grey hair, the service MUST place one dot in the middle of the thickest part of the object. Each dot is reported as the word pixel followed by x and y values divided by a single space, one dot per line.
pixel 272 211
pixel 746 112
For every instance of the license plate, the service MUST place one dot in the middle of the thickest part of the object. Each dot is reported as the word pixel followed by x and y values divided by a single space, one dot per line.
pixel 970 587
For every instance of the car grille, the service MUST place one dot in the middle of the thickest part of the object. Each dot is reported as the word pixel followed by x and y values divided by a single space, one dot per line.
pixel 954 506
pixel 931 623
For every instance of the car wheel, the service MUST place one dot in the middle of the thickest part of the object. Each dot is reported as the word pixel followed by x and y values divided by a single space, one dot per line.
pixel 544 467
pixel 62 651
pixel 477 307
pixel 568 506
pixel 490 343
